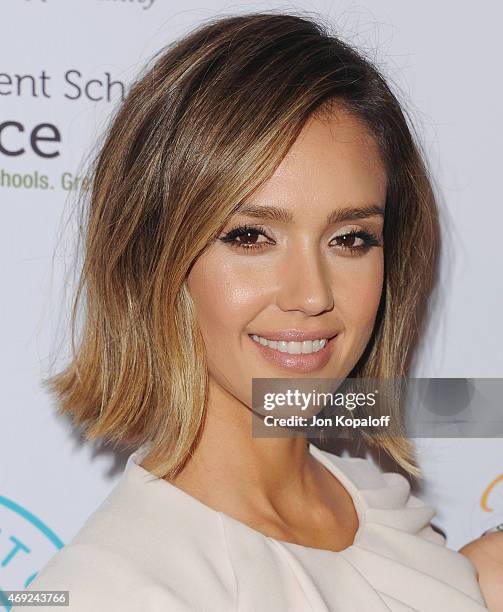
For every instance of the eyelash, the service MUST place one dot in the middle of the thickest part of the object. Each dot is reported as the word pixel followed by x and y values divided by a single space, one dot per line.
pixel 369 239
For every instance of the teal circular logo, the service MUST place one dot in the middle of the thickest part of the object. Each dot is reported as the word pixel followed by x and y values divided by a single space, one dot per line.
pixel 26 545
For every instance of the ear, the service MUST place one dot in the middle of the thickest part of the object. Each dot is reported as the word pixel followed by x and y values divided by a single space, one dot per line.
pixel 486 554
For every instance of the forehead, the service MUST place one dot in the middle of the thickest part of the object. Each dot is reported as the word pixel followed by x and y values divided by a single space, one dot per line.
pixel 335 161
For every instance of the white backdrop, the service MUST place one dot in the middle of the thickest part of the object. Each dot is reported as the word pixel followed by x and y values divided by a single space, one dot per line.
pixel 442 59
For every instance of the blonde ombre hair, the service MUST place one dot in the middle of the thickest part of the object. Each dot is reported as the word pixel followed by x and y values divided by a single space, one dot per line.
pixel 205 125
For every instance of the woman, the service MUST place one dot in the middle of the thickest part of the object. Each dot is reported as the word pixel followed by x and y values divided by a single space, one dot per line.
pixel 258 188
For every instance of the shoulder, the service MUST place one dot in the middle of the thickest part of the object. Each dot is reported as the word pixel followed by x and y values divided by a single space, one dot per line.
pixel 387 497
pixel 146 547
pixel 100 580
pixel 486 554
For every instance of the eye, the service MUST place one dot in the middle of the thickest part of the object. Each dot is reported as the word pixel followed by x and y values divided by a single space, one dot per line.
pixel 368 240
pixel 245 237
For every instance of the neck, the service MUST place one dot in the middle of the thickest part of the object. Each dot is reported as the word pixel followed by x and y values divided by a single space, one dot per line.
pixel 230 468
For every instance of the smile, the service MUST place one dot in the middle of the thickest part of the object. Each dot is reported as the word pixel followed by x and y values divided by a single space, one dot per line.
pixel 291 356
pixel 293 348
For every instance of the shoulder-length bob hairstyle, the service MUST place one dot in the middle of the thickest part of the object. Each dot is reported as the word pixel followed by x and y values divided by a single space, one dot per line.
pixel 202 128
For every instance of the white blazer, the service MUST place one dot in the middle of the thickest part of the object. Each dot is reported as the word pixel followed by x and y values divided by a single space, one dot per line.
pixel 151 547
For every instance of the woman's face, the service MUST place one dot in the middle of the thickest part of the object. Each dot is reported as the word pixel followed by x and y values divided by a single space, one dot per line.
pixel 297 270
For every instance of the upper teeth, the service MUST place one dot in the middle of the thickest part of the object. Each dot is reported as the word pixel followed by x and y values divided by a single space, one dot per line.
pixel 294 348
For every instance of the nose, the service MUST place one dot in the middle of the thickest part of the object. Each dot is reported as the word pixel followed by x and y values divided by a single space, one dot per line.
pixel 304 282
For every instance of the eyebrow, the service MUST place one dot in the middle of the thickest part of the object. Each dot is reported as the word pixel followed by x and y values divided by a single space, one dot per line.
pixel 282 215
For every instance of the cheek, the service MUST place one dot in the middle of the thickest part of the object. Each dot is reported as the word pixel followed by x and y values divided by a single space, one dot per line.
pixel 223 297
pixel 359 296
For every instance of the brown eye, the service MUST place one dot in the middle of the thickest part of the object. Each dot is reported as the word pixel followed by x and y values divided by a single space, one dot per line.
pixel 348 241
pixel 246 238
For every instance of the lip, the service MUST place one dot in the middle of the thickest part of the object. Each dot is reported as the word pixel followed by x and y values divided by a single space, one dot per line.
pixel 302 363
pixel 296 335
